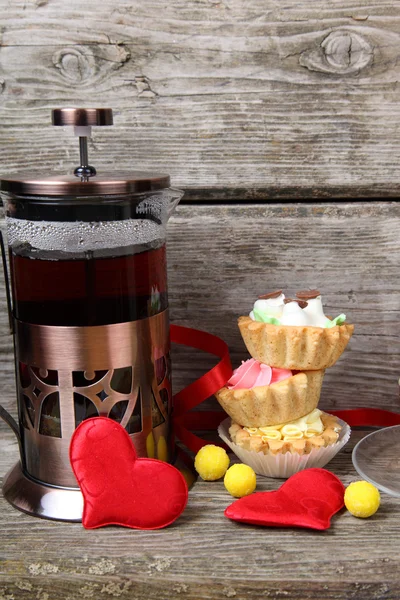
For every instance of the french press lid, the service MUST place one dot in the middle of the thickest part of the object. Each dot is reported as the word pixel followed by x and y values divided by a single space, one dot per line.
pixel 85 181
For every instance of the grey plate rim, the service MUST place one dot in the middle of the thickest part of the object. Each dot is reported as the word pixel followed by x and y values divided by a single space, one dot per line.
pixel 383 488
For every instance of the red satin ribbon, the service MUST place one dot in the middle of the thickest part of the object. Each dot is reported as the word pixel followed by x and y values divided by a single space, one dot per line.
pixel 185 422
pixel 367 417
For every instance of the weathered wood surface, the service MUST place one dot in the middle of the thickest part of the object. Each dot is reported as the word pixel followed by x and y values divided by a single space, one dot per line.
pixel 235 99
pixel 202 556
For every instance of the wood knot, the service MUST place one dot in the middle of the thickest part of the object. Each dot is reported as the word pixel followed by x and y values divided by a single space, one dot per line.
pixel 77 63
pixel 143 87
pixel 342 52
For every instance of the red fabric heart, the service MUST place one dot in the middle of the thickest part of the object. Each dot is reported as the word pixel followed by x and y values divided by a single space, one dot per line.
pixel 307 499
pixel 118 488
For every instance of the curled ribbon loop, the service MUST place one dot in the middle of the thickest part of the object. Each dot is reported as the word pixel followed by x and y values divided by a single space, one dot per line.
pixel 201 389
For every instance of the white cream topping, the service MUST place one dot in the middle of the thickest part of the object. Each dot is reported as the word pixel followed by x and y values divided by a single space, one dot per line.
pixel 276 312
pixel 315 312
pixel 294 315
pixel 272 307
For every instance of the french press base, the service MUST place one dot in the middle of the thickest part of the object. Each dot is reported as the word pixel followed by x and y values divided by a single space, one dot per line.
pixel 35 498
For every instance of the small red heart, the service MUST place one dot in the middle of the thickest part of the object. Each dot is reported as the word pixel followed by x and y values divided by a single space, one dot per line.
pixel 307 499
pixel 117 487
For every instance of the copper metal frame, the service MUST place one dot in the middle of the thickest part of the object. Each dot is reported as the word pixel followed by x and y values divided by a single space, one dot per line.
pixel 85 350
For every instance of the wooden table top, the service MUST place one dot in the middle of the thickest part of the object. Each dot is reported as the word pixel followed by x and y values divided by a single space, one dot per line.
pixel 202 555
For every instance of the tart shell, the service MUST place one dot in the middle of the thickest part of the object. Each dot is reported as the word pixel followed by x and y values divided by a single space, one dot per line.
pixel 281 402
pixel 301 348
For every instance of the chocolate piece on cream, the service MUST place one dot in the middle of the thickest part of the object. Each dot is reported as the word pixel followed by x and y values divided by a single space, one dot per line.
pixel 308 294
pixel 275 294
pixel 301 303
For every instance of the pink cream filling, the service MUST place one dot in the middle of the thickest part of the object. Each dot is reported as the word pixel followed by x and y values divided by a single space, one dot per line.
pixel 252 373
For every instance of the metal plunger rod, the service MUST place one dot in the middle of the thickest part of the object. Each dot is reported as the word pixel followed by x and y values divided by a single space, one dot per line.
pixel 83 150
pixel 84 170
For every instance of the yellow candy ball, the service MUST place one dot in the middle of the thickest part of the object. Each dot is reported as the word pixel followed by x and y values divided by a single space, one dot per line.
pixel 150 447
pixel 362 499
pixel 240 480
pixel 211 462
pixel 162 449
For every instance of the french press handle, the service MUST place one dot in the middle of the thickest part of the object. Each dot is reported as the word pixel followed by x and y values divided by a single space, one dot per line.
pixel 4 414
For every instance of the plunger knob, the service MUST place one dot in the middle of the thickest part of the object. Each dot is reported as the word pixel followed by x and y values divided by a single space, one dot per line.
pixel 82 120
pixel 82 117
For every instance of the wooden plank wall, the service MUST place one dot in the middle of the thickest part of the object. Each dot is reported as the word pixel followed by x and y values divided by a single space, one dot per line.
pixel 235 99
pixel 244 104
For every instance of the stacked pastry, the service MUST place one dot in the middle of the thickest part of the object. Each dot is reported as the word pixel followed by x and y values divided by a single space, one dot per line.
pixel 272 398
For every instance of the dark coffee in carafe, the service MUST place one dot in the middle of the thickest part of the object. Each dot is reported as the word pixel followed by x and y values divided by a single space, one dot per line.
pixel 94 290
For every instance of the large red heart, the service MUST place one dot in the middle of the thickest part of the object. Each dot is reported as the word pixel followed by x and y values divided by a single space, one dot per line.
pixel 307 499
pixel 118 488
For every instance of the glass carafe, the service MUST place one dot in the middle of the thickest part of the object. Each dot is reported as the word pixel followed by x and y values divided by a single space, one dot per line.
pixel 89 314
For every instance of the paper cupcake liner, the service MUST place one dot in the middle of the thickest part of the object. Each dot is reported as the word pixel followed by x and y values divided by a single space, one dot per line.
pixel 284 465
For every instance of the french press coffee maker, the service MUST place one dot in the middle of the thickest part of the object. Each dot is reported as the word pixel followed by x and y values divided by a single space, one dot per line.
pixel 88 306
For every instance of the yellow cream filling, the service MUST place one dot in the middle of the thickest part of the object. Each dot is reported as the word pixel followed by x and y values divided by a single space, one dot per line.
pixel 302 428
